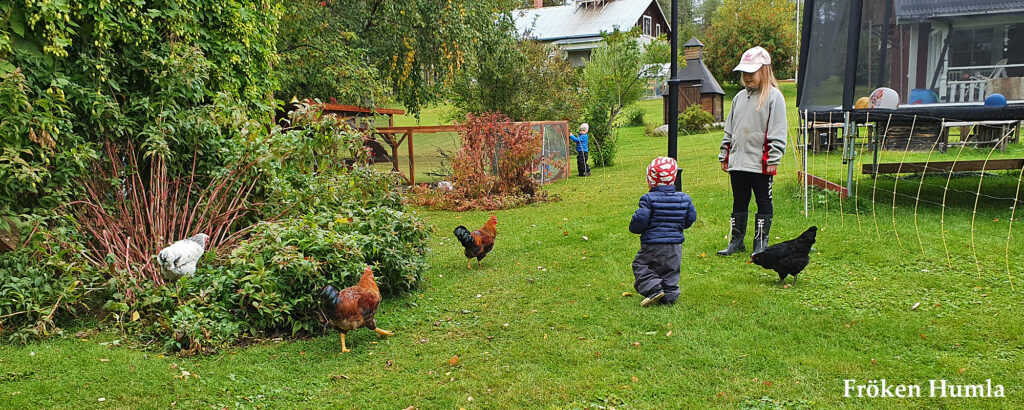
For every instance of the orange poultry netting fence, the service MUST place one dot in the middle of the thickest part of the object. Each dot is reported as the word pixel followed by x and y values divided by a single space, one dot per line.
pixel 928 185
pixel 422 154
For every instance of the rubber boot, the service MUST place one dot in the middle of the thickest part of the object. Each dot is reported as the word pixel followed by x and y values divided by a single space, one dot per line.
pixel 737 231
pixel 762 228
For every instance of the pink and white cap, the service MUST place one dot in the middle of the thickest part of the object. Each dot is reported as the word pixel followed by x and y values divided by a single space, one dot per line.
pixel 662 171
pixel 753 59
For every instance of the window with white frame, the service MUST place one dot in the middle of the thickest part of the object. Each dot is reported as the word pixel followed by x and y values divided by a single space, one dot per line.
pixel 657 30
pixel 647 25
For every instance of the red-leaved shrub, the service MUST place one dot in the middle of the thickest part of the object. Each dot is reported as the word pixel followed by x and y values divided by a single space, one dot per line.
pixel 134 208
pixel 492 169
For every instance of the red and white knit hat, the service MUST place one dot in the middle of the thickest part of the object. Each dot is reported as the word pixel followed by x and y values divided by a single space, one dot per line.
pixel 662 171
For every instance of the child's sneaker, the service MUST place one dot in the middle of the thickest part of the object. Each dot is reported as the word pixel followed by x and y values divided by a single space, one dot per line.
pixel 652 299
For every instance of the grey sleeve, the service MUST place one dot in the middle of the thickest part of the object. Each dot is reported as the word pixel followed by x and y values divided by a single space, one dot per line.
pixel 723 151
pixel 777 130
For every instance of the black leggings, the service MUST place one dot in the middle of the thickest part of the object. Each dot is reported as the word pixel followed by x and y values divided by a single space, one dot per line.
pixel 745 182
pixel 581 163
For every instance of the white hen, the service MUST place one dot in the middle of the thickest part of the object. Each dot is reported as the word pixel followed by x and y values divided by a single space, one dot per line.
pixel 180 258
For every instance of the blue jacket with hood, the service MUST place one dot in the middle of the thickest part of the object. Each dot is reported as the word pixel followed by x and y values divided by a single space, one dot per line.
pixel 663 215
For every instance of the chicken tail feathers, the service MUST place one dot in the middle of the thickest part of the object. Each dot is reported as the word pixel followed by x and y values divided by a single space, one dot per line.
pixel 330 296
pixel 465 236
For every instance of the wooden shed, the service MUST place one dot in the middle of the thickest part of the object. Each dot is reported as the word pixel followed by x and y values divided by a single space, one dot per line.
pixel 697 85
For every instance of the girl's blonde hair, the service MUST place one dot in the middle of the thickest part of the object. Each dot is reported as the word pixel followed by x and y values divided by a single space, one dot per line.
pixel 767 80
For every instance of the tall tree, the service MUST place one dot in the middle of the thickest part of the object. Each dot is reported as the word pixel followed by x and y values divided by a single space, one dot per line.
pixel 525 80
pixel 409 50
pixel 741 24
pixel 616 77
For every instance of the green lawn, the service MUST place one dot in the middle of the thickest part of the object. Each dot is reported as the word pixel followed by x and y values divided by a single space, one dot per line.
pixel 545 323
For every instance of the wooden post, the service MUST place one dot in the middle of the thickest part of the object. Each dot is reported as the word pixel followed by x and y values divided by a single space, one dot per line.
pixel 412 163
pixel 394 151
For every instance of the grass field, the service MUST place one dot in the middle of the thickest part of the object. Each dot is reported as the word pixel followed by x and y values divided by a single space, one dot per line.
pixel 545 323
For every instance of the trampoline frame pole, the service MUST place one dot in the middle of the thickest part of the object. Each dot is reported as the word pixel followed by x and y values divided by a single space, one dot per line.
pixel 849 141
pixel 673 94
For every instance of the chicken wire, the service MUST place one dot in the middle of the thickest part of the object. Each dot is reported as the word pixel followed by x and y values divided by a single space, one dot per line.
pixel 553 159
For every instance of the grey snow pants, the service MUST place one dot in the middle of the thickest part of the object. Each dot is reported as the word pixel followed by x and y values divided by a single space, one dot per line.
pixel 656 268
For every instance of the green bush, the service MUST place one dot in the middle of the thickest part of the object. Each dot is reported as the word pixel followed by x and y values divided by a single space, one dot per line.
pixel 42 285
pixel 633 116
pixel 269 283
pixel 334 221
pixel 695 119
pixel 602 138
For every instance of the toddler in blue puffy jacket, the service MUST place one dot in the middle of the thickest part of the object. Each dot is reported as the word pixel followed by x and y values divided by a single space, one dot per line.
pixel 660 220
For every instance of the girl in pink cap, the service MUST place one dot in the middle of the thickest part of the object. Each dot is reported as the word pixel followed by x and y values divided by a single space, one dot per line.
pixel 752 148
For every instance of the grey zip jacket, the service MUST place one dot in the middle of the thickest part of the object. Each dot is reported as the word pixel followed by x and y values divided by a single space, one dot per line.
pixel 744 144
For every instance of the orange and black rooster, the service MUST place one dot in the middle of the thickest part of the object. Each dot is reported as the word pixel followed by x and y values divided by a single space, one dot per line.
pixel 353 307
pixel 478 242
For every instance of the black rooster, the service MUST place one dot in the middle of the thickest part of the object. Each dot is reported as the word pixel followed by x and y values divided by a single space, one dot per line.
pixel 789 257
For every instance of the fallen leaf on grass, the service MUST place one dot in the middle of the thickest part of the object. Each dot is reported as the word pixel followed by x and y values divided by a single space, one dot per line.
pixel 454 360
pixel 635 379
pixel 626 294
pixel 668 334
pixel 339 376
pixel 636 344
pixel 915 306
pixel 922 336
pixel 768 383
pixel 963 369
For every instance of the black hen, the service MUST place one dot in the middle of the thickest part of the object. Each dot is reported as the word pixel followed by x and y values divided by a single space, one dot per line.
pixel 789 257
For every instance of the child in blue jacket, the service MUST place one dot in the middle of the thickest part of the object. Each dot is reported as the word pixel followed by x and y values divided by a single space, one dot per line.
pixel 582 150
pixel 660 220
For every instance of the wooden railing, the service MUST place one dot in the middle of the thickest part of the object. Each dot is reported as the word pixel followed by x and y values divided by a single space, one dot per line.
pixel 970 83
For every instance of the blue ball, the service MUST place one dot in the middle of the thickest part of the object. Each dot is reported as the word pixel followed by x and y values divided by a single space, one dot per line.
pixel 995 100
